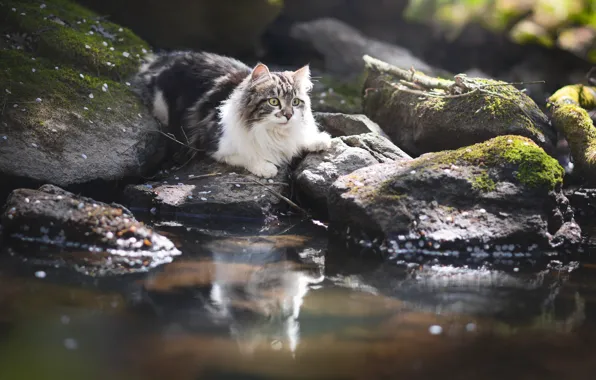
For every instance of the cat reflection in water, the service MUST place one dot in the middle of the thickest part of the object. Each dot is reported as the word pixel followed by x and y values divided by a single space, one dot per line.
pixel 252 118
pixel 263 307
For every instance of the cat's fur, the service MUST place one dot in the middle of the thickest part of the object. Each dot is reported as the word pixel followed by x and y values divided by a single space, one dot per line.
pixel 222 106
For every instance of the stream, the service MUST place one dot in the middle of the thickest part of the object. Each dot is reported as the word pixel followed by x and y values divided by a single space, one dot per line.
pixel 285 302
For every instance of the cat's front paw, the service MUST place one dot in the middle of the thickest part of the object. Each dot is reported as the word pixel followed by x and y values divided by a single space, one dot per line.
pixel 265 170
pixel 322 142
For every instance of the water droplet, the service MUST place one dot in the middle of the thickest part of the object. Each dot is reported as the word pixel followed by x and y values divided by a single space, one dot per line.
pixel 40 274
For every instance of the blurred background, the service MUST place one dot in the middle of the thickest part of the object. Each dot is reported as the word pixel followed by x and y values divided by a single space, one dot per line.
pixel 551 40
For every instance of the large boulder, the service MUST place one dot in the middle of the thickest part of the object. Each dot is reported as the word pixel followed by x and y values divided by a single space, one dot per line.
pixel 421 122
pixel 210 189
pixel 102 239
pixel 69 118
pixel 342 46
pixel 500 195
pixel 317 171
pixel 230 27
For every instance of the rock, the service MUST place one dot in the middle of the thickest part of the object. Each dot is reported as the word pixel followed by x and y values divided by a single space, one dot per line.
pixel 420 124
pixel 343 46
pixel 568 108
pixel 210 189
pixel 69 118
pixel 114 241
pixel 493 198
pixel 339 124
pixel 315 174
pixel 232 27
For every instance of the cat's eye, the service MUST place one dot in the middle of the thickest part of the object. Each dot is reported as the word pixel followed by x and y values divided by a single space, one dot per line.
pixel 296 102
pixel 274 102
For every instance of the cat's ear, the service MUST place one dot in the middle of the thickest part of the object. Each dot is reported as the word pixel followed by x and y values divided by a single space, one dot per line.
pixel 259 70
pixel 302 77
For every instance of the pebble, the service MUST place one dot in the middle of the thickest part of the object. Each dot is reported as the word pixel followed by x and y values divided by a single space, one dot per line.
pixel 127 83
pixel 65 319
pixel 111 48
pixel 91 96
pixel 87 47
pixel 38 100
pixel 42 6
pixel 84 156
pixel 57 68
pixel 203 199
pixel 125 54
pixel 33 70
pixel 34 145
pixel 82 76
pixel 120 30
pixel 105 43
pixel 435 330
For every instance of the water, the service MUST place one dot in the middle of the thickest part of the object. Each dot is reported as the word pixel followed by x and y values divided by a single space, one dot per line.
pixel 291 305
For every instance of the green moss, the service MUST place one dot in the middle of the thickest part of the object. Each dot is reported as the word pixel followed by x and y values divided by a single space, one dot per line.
pixel 584 96
pixel 535 168
pixel 497 103
pixel 483 183
pixel 71 34
pixel 579 130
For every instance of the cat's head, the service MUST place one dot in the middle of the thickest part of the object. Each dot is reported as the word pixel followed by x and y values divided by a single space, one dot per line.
pixel 277 99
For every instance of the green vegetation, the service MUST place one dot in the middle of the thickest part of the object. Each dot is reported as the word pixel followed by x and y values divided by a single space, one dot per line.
pixel 70 34
pixel 483 183
pixel 60 72
pixel 535 168
pixel 568 24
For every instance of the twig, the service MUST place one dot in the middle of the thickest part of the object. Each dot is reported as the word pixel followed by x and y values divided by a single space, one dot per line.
pixel 252 183
pixel 169 135
pixel 285 199
pixel 203 176
pixel 408 75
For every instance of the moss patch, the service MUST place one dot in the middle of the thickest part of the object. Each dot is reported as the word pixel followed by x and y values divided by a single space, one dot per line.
pixel 70 34
pixel 535 168
pixel 579 130
pixel 48 73
pixel 483 183
pixel 496 103
pixel 584 96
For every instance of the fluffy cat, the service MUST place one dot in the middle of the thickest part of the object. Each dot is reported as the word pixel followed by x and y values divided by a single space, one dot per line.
pixel 253 118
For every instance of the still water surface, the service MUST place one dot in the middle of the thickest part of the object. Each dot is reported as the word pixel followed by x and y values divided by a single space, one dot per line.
pixel 287 304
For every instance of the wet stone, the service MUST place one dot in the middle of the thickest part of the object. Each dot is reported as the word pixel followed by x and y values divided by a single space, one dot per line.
pixel 212 190
pixel 114 241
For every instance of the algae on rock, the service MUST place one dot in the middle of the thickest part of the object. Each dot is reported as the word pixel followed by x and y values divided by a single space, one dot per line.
pixel 422 114
pixel 68 116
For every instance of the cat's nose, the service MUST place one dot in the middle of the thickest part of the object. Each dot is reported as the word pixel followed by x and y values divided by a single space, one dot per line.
pixel 288 114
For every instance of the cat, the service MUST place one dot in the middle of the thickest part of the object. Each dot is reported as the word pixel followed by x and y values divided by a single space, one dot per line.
pixel 255 118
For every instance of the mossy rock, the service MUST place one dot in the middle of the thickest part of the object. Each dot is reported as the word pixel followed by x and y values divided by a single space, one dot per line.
pixel 506 190
pixel 68 117
pixel 420 124
pixel 569 107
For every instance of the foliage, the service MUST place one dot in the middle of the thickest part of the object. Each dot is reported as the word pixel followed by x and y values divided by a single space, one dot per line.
pixel 568 24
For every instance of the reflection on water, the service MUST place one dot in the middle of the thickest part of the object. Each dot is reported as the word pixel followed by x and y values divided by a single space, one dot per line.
pixel 287 306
